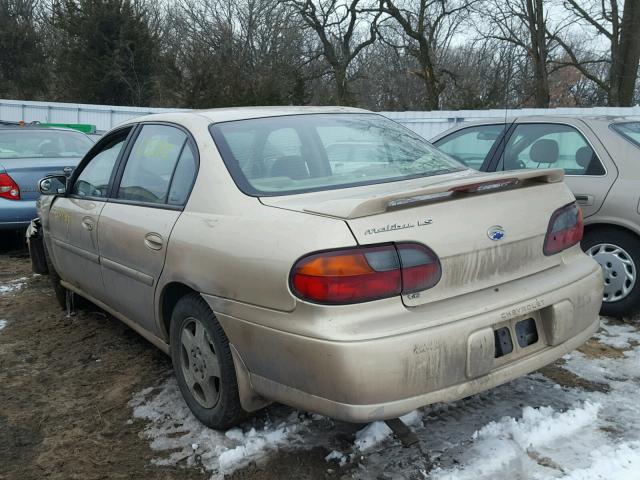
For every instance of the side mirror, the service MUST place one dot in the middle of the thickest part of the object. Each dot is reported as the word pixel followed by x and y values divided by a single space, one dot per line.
pixel 53 185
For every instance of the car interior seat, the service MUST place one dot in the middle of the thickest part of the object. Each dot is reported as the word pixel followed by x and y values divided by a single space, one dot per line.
pixel 292 166
pixel 587 159
pixel 49 148
pixel 544 150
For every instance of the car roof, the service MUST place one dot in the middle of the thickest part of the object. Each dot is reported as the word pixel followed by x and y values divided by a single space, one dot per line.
pixel 549 118
pixel 216 115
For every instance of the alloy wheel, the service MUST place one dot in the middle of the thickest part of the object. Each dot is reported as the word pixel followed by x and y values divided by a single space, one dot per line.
pixel 199 363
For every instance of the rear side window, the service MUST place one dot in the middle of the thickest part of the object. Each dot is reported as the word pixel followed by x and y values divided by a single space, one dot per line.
pixel 94 178
pixel 151 164
pixel 549 145
pixel 471 145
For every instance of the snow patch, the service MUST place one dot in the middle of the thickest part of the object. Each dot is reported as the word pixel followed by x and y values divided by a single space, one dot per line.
pixel 3 323
pixel 180 437
pixel 621 463
pixel 372 435
pixel 498 445
pixel 618 336
pixel 13 285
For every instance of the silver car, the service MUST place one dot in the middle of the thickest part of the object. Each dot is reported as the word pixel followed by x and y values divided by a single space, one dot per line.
pixel 600 158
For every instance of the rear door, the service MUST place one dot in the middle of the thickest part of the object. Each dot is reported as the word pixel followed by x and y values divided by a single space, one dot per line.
pixel 589 171
pixel 150 191
pixel 73 219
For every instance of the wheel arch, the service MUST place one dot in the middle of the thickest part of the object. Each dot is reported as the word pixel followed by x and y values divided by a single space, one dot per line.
pixel 171 293
pixel 598 226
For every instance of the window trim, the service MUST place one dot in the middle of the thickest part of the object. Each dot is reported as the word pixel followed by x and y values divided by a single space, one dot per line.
pixel 111 198
pixel 516 124
pixel 91 154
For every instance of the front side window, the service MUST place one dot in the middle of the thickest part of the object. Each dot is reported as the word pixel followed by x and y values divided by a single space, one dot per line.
pixel 300 153
pixel 549 145
pixel 151 164
pixel 471 145
pixel 94 178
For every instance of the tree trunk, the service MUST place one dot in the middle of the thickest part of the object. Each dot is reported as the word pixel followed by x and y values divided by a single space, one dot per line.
pixel 625 74
pixel 343 93
pixel 538 32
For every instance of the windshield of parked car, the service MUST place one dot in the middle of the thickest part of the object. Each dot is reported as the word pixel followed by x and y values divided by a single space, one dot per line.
pixel 629 130
pixel 300 153
pixel 26 143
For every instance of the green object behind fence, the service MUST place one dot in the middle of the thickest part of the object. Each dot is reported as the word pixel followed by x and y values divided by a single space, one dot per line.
pixel 82 127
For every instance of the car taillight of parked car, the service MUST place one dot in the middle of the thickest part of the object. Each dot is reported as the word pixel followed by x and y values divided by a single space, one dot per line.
pixel 362 274
pixel 565 229
pixel 8 187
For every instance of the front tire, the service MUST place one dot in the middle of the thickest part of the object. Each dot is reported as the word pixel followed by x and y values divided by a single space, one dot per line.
pixel 60 291
pixel 618 253
pixel 203 364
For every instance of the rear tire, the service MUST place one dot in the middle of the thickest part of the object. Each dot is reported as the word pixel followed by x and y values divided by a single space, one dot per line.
pixel 203 364
pixel 618 253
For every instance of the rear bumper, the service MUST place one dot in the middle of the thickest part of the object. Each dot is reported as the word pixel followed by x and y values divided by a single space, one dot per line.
pixel 16 214
pixel 385 377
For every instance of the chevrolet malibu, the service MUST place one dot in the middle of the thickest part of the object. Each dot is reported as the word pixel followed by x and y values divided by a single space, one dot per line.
pixel 325 258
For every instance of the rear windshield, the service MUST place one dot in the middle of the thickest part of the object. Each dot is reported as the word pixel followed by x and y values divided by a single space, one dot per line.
pixel 629 130
pixel 302 153
pixel 25 143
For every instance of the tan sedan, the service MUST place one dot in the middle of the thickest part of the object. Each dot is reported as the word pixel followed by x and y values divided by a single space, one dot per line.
pixel 325 258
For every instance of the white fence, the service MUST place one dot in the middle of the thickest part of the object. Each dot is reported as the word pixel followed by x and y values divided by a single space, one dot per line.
pixel 427 124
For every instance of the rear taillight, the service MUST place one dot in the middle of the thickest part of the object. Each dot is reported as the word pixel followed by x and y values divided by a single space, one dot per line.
pixel 565 229
pixel 362 274
pixel 8 188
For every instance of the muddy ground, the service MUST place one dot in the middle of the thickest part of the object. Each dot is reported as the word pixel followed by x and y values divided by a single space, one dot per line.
pixel 65 384
pixel 64 388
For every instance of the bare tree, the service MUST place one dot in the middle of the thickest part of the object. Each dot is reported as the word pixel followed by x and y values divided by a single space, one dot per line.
pixel 620 25
pixel 344 29
pixel 524 24
pixel 429 27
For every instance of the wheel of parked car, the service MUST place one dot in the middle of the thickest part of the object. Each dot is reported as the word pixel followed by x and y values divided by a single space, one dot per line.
pixel 203 364
pixel 60 291
pixel 618 253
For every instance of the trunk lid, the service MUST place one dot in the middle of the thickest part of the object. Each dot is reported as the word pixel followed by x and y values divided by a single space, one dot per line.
pixel 27 172
pixel 460 227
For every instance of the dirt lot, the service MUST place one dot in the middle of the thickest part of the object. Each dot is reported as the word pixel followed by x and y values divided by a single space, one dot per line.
pixel 64 388
pixel 66 384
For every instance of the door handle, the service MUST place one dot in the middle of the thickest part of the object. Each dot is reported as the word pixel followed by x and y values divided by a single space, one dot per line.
pixel 88 223
pixel 584 199
pixel 153 241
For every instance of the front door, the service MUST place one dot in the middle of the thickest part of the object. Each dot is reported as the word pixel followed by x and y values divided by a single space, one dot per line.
pixel 73 225
pixel 151 190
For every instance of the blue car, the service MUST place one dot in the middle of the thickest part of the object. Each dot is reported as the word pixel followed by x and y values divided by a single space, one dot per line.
pixel 28 153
